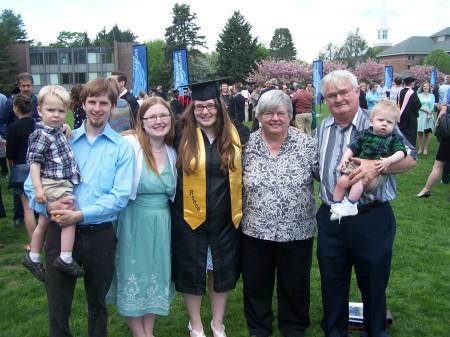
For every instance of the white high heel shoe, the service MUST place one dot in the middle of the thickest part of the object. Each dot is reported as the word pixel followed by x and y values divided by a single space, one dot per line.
pixel 217 333
pixel 196 333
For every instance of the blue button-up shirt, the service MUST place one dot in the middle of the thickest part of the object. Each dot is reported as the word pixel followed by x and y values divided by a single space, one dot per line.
pixel 107 168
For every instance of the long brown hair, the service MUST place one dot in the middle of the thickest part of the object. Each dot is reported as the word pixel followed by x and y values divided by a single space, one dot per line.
pixel 188 148
pixel 142 136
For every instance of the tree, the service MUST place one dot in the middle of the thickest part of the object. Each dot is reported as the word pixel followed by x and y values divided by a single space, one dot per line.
pixel 71 39
pixel 281 46
pixel 371 54
pixel 105 39
pixel 423 74
pixel 183 34
pixel 204 68
pixel 439 59
pixel 12 28
pixel 11 31
pixel 370 71
pixel 155 62
pixel 283 70
pixel 237 49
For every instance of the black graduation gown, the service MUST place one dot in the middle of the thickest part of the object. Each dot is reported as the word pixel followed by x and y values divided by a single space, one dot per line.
pixel 189 247
pixel 408 119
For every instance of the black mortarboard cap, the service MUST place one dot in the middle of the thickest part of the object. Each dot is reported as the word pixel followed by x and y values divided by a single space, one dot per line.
pixel 409 79
pixel 203 91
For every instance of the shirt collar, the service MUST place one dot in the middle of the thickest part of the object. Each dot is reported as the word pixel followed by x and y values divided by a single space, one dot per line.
pixel 107 132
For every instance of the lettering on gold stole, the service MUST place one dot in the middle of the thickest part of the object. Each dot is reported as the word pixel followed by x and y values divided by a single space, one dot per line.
pixel 197 207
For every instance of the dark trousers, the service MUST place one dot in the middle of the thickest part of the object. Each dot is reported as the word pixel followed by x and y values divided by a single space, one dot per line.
pixel 292 263
pixel 364 242
pixel 4 166
pixel 95 252
pixel 17 202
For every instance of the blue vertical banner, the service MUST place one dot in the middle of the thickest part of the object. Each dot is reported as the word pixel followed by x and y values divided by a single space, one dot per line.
pixel 140 69
pixel 317 77
pixel 388 73
pixel 180 69
pixel 433 77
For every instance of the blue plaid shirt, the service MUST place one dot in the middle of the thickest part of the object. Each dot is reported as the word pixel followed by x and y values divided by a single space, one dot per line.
pixel 49 147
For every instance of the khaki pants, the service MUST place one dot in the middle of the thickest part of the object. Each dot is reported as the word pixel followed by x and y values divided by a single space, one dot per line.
pixel 57 189
pixel 303 122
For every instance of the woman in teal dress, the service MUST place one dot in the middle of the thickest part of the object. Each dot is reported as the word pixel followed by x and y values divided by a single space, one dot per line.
pixel 425 121
pixel 142 286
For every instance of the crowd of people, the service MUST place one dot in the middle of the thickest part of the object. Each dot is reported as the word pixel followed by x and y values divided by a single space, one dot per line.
pixel 208 200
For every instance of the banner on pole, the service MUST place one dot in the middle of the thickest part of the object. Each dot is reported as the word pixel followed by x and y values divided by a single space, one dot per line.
pixel 180 69
pixel 317 77
pixel 433 77
pixel 140 73
pixel 388 73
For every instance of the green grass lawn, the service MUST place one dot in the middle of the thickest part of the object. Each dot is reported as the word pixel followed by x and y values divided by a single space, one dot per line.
pixel 418 292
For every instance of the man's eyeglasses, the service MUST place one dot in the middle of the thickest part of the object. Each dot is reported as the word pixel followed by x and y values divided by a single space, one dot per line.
pixel 342 93
pixel 209 107
pixel 271 114
pixel 153 118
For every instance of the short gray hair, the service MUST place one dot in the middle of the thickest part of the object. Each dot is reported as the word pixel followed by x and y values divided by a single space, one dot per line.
pixel 335 77
pixel 272 100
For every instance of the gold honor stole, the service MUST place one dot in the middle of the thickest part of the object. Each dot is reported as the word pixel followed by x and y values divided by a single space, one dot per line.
pixel 194 186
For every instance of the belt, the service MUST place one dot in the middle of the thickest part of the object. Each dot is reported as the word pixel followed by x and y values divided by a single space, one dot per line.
pixel 363 208
pixel 93 228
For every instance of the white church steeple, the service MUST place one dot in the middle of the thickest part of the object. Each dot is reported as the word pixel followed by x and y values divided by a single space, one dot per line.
pixel 382 32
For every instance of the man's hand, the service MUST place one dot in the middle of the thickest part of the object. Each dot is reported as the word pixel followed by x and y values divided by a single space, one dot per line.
pixel 366 171
pixel 66 218
pixel 62 207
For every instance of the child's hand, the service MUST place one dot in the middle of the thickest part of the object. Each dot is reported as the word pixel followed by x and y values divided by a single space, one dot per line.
pixel 40 195
pixel 382 164
pixel 344 162
pixel 67 131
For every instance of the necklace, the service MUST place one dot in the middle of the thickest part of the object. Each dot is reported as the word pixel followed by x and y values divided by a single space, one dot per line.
pixel 158 151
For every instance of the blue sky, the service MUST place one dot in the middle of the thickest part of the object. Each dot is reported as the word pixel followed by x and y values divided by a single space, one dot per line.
pixel 312 24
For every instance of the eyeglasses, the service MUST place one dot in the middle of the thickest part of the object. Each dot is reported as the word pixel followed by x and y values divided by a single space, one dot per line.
pixel 342 93
pixel 271 114
pixel 209 107
pixel 26 85
pixel 153 118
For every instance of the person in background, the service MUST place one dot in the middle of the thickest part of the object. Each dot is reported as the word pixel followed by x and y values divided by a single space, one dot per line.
pixel 185 99
pixel 207 208
pixel 442 158
pixel 175 104
pixel 238 103
pixel 102 194
pixel 395 89
pixel 382 90
pixel 363 241
pixel 270 85
pixel 310 88
pixel 362 95
pixel 409 104
pixel 53 172
pixel 226 95
pixel 142 97
pixel 372 97
pixel 302 103
pixel 425 122
pixel 79 115
pixel 121 118
pixel 121 78
pixel 278 223
pixel 161 93
pixel 16 152
pixel 143 259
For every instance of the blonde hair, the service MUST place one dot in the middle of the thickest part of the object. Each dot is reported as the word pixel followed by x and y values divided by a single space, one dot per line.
pixel 386 105
pixel 54 90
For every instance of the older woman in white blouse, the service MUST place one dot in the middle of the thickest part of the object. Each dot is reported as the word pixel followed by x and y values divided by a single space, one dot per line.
pixel 279 166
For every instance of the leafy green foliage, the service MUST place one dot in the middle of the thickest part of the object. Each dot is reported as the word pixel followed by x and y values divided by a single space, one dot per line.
pixel 281 46
pixel 439 59
pixel 12 28
pixel 71 39
pixel 237 49
pixel 105 39
pixel 155 62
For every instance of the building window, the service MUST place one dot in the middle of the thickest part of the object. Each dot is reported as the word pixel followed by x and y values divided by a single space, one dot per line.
pixel 409 66
pixel 384 35
pixel 37 79
pixel 36 59
pixel 65 78
pixel 65 58
pixel 93 58
pixel 80 78
pixel 107 57
pixel 51 58
pixel 54 79
pixel 410 57
pixel 80 57
pixel 93 76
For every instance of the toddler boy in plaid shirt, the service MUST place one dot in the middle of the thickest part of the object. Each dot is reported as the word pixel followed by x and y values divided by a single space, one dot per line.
pixel 53 172
pixel 377 142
